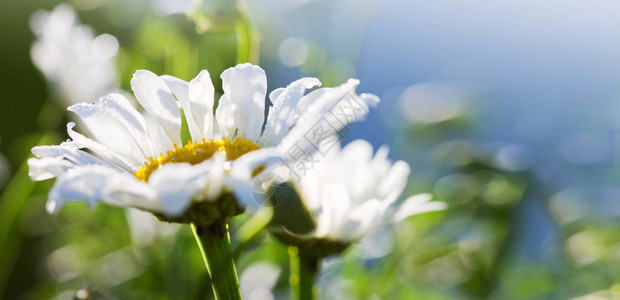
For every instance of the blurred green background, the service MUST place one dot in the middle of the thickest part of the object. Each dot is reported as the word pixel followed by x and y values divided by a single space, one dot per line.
pixel 502 112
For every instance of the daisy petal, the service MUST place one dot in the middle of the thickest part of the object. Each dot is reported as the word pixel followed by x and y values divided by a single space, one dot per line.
pixel 284 113
pixel 246 86
pixel 200 106
pixel 176 185
pixel 178 87
pixel 359 177
pixel 68 151
pixel 194 107
pixel 330 108
pixel 157 99
pixel 357 150
pixel 47 167
pixel 243 192
pixel 217 175
pixel 92 183
pixel 53 161
pixel 225 118
pixel 99 149
pixel 331 221
pixel 157 134
pixel 363 219
pixel 129 192
pixel 108 127
pixel 249 164
pixel 393 183
pixel 417 204
pixel 118 108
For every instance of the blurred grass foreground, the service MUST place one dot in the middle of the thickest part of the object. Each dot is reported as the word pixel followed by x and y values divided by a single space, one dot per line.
pixel 505 113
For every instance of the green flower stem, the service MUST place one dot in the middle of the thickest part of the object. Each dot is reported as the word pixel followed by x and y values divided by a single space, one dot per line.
pixel 304 270
pixel 203 289
pixel 248 40
pixel 246 235
pixel 214 244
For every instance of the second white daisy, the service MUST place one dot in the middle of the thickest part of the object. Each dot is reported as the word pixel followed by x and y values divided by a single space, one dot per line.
pixel 348 194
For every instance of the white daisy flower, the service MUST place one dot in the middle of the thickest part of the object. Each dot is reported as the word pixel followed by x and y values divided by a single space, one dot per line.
pixel 138 159
pixel 349 193
pixel 78 65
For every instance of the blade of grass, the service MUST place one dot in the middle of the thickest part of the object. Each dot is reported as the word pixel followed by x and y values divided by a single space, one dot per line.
pixel 12 200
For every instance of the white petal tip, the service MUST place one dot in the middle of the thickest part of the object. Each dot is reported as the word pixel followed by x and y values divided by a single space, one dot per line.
pixel 242 68
pixel 420 198
pixel 140 72
pixel 51 207
pixel 418 204
pixel 353 81
pixel 310 82
pixel 370 99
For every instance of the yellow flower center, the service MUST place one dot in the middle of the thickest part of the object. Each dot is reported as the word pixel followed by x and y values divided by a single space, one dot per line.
pixel 195 153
